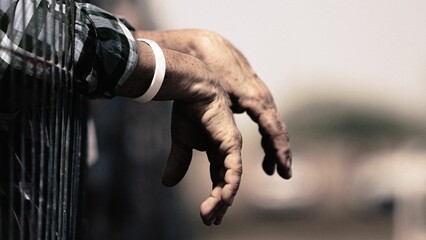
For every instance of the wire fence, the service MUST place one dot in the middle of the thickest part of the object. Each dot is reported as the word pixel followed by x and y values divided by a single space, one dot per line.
pixel 42 125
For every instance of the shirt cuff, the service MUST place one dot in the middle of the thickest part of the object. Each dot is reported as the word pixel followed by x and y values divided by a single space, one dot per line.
pixel 115 54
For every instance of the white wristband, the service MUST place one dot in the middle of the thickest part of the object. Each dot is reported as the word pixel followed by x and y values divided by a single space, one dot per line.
pixel 159 73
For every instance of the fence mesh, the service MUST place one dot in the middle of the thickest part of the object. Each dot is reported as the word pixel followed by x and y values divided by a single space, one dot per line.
pixel 42 125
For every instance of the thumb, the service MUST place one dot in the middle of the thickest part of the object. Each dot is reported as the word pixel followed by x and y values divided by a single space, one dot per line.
pixel 177 164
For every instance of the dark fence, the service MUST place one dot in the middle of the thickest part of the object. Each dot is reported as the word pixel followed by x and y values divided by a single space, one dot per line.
pixel 42 126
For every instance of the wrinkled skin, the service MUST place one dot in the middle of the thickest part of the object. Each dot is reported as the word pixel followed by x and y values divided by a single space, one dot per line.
pixel 209 79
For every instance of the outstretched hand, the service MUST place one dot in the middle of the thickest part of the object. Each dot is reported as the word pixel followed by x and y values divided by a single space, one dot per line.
pixel 209 79
pixel 245 89
pixel 202 120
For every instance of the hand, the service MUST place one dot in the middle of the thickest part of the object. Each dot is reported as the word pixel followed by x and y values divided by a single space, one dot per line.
pixel 245 89
pixel 201 119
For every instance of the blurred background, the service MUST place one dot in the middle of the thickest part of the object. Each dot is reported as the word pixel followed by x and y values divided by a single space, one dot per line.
pixel 349 79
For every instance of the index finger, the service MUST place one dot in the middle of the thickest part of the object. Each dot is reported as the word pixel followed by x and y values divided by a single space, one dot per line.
pixel 224 154
pixel 226 163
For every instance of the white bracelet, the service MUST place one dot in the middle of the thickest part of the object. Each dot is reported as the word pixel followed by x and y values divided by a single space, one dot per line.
pixel 159 73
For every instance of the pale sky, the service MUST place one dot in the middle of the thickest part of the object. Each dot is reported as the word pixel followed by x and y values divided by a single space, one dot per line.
pixel 367 51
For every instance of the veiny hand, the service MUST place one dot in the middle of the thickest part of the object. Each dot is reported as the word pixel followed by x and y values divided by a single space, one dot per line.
pixel 202 117
pixel 245 89
pixel 202 120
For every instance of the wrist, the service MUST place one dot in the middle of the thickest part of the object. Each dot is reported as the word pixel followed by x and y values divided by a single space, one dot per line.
pixel 141 77
pixel 159 72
